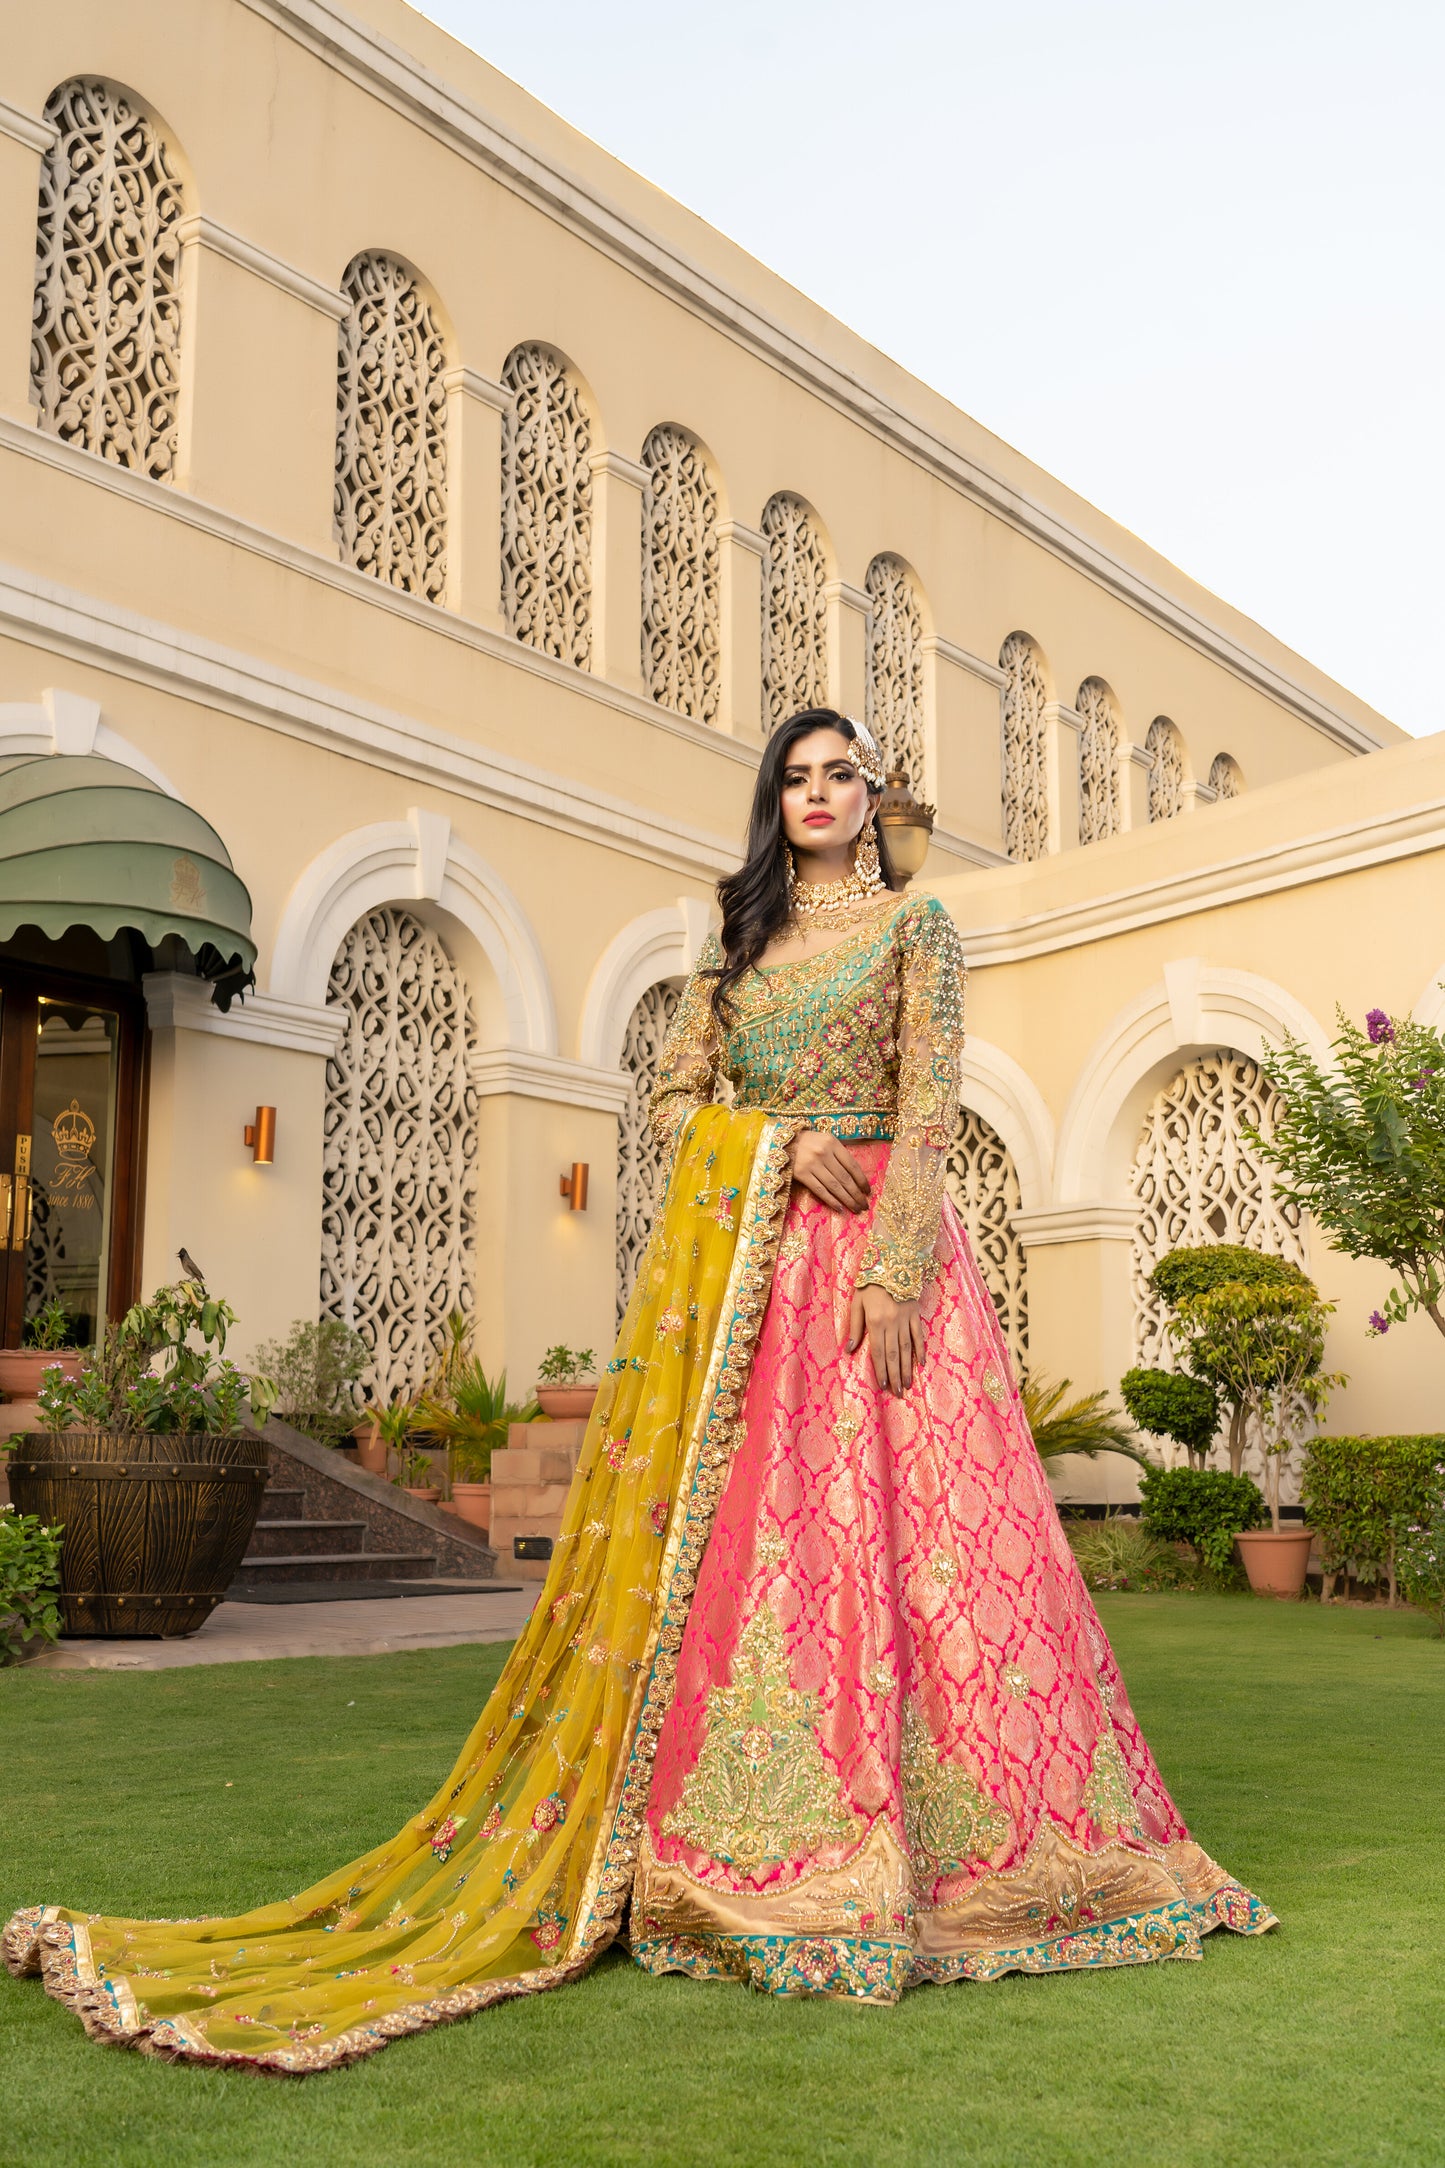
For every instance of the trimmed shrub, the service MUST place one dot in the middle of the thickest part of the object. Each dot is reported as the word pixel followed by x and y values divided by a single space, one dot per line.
pixel 1169 1404
pixel 1354 1492
pixel 1185 1273
pixel 1204 1507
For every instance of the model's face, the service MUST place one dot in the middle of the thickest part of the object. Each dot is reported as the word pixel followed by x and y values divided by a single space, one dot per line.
pixel 824 798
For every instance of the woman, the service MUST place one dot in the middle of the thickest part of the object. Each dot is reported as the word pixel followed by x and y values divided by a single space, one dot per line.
pixel 814 1696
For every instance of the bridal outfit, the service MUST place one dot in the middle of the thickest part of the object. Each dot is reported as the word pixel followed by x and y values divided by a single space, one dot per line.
pixel 814 1697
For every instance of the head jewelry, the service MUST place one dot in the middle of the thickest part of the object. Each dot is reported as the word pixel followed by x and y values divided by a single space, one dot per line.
pixel 863 751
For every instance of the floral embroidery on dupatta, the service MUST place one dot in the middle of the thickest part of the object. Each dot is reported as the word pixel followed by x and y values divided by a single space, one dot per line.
pixel 946 1817
pixel 760 1790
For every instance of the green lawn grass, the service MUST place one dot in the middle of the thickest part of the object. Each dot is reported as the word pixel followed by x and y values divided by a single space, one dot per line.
pixel 1306 1747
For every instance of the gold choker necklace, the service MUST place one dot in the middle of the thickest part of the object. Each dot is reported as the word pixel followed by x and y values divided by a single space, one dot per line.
pixel 815 902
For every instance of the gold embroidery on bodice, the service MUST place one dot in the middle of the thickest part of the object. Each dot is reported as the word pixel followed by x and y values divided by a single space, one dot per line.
pixel 760 1790
pixel 863 1040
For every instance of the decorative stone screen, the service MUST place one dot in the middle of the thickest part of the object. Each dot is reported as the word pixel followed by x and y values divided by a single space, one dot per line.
pixel 1025 750
pixel 1195 1180
pixel 984 1186
pixel 894 691
pixel 681 640
pixel 1098 763
pixel 640 1162
pixel 1225 779
pixel 391 430
pixel 400 1146
pixel 547 507
pixel 795 612
pixel 105 342
pixel 1166 772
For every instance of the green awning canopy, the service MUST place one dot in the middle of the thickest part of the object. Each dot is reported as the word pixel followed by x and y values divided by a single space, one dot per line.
pixel 87 842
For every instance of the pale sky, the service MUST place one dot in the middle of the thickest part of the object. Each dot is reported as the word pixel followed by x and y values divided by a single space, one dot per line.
pixel 1186 257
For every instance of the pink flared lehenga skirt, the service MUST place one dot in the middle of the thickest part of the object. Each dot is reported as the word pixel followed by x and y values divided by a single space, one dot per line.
pixel 900 1748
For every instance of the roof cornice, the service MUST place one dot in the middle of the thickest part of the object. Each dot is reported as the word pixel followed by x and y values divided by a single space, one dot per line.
pixel 387 71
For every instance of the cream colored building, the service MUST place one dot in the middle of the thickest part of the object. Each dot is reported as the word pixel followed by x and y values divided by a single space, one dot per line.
pixel 443 514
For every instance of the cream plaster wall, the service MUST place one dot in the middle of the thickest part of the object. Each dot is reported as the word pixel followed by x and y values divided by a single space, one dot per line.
pixel 561 830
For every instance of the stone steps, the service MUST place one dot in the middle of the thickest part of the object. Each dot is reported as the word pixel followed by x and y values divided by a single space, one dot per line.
pixel 283 1505
pixel 357 1565
pixel 281 1538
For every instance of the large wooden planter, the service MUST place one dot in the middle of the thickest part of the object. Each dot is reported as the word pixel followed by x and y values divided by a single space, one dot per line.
pixel 155 1527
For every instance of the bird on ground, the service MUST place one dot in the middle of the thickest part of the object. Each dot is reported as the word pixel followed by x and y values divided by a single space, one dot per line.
pixel 191 1269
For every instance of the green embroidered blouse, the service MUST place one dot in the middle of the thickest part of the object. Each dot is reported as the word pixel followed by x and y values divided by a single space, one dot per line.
pixel 862 1040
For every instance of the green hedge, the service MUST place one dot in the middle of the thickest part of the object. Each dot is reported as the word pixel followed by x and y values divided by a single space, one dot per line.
pixel 1204 1506
pixel 1354 1490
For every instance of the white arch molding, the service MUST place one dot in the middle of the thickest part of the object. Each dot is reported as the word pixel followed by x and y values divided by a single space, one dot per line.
pixel 662 944
pixel 992 1084
pixel 66 722
pixel 1194 1009
pixel 415 860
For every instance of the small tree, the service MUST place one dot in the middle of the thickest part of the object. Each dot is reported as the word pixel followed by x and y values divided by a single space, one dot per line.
pixel 1175 1401
pixel 1169 1404
pixel 1262 1346
pixel 1362 1148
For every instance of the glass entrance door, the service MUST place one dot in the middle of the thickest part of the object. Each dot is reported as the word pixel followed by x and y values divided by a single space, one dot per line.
pixel 69 1120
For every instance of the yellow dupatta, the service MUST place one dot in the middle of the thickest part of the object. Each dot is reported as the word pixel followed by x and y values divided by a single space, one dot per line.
pixel 514 1876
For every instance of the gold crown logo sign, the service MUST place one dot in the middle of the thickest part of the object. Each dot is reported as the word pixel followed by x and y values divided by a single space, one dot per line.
pixel 74 1134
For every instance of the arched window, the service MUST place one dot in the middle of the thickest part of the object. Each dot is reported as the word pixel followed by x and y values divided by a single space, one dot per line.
pixel 984 1185
pixel 795 611
pixel 894 703
pixel 1166 770
pixel 391 429
pixel 1195 1179
pixel 641 1163
pixel 1025 749
pixel 547 507
pixel 105 345
pixel 1098 762
pixel 1226 779
pixel 399 1153
pixel 681 641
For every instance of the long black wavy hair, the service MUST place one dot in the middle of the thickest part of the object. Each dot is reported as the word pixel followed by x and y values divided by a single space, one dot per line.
pixel 754 900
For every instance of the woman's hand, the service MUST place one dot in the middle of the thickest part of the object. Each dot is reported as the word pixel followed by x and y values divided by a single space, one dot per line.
pixel 895 1336
pixel 831 1172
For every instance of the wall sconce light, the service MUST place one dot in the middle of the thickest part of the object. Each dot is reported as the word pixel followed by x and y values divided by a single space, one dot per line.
pixel 907 823
pixel 574 1186
pixel 261 1136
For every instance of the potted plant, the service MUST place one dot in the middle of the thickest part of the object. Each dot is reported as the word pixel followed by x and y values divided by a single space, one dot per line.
pixel 29 1585
pixel 315 1369
pixel 415 1476
pixel 148 1468
pixel 1205 1508
pixel 1179 1405
pixel 389 1430
pixel 563 1392
pixel 471 1414
pixel 49 1340
pixel 1262 1346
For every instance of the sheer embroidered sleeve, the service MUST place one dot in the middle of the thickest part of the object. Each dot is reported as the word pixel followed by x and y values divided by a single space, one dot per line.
pixel 691 1055
pixel 930 1040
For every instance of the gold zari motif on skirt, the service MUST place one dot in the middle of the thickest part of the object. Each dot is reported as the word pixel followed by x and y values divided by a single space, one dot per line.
pixel 761 1790
pixel 1108 1795
pixel 947 1818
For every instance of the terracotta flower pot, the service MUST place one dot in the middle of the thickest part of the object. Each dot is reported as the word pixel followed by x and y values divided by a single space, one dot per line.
pixel 370 1449
pixel 427 1492
pixel 23 1368
pixel 1276 1561
pixel 473 1503
pixel 566 1403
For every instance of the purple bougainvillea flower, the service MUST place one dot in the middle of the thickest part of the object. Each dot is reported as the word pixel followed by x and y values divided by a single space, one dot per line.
pixel 1381 1030
pixel 1418 1083
pixel 1379 1322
